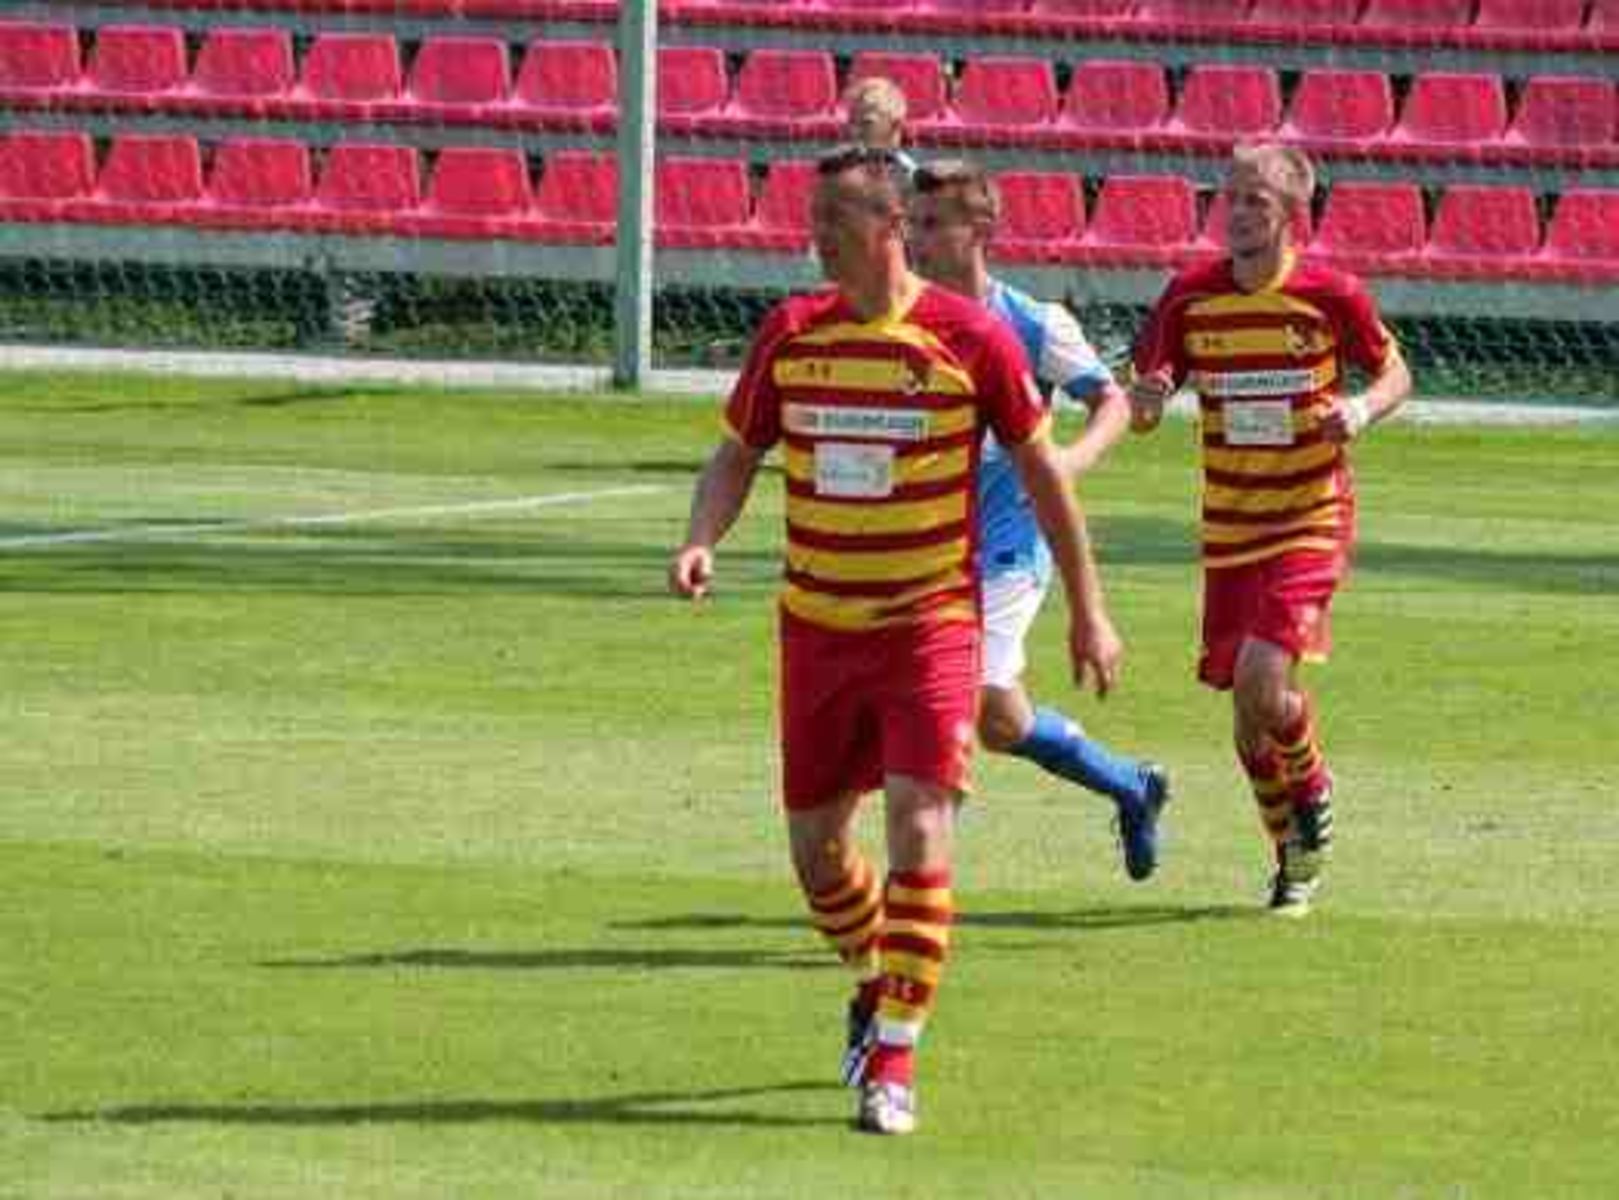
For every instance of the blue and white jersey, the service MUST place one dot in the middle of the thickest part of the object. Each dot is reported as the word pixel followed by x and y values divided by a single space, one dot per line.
pixel 1010 541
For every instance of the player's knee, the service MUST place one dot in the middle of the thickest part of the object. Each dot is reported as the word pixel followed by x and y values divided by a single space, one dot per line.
pixel 998 729
pixel 1263 704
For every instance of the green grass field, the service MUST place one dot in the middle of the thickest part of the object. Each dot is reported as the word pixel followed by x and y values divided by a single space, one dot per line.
pixel 427 849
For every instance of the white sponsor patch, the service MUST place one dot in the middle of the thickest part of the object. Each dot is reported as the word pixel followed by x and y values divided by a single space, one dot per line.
pixel 1289 382
pixel 824 420
pixel 842 469
pixel 1258 422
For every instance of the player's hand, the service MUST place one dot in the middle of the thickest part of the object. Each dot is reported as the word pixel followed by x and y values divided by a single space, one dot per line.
pixel 1097 653
pixel 1148 395
pixel 1346 419
pixel 691 572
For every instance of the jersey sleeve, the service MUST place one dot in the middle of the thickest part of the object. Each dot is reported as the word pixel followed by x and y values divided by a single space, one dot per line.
pixel 1067 358
pixel 1366 340
pixel 753 412
pixel 1013 406
pixel 1161 344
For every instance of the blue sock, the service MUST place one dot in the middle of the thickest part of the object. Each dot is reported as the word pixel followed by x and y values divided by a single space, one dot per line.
pixel 1058 744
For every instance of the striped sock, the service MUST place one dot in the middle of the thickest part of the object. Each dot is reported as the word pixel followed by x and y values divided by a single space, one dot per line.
pixel 1264 773
pixel 849 914
pixel 1304 768
pixel 913 945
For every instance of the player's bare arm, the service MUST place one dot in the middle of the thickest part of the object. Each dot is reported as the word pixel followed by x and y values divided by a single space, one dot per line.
pixel 1109 418
pixel 1093 643
pixel 721 493
pixel 1350 416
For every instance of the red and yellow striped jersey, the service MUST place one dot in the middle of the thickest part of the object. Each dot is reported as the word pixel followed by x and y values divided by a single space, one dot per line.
pixel 881 423
pixel 1266 365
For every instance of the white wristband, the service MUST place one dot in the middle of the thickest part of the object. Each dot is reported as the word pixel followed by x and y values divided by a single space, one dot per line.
pixel 1358 415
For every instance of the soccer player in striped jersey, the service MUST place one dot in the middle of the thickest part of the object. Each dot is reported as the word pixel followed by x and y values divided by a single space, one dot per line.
pixel 953 213
pixel 879 390
pixel 1266 339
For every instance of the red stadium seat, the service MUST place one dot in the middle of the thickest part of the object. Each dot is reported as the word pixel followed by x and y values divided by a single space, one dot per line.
pixel 1447 108
pixel 1604 16
pixel 1148 217
pixel 691 81
pixel 1483 231
pixel 1419 14
pixel 1194 12
pixel 974 7
pixel 1306 12
pixel 480 181
pixel 366 178
pixel 783 214
pixel 698 196
pixel 1229 101
pixel 1585 227
pixel 474 192
pixel 355 68
pixel 244 63
pixel 260 175
pixel 1372 224
pixel 796 90
pixel 1559 110
pixel 577 197
pixel 1116 94
pixel 1539 15
pixel 1476 222
pixel 579 78
pixel 460 72
pixel 1084 8
pixel 1042 214
pixel 153 177
pixel 919 76
pixel 38 56
pixel 899 6
pixel 1340 106
pixel 40 168
pixel 137 60
pixel 1007 92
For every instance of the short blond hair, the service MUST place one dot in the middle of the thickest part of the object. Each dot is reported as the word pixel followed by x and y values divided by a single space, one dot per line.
pixel 1283 169
pixel 879 94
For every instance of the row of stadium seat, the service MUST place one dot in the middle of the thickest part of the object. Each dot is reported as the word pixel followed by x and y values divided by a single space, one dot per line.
pixel 569 85
pixel 1487 24
pixel 484 192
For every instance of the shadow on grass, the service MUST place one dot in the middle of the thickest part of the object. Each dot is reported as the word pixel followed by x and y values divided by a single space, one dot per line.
pixel 363 562
pixel 1095 918
pixel 582 959
pixel 635 1108
pixel 1146 541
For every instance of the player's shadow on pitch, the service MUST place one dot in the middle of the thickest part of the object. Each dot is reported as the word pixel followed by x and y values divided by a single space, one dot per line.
pixel 697 1108
pixel 633 958
pixel 1093 918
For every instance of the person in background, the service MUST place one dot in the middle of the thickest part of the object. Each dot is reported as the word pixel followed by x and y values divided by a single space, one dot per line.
pixel 953 215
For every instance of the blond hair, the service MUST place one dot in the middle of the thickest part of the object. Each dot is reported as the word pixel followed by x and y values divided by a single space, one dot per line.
pixel 1283 169
pixel 879 94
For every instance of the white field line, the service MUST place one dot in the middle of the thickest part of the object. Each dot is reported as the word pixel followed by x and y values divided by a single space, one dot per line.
pixel 135 533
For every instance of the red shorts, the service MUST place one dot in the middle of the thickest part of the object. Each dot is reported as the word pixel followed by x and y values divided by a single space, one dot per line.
pixel 1282 600
pixel 856 707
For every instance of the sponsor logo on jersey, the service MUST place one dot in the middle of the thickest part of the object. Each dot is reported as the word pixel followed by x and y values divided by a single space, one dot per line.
pixel 824 420
pixel 1289 382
